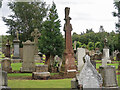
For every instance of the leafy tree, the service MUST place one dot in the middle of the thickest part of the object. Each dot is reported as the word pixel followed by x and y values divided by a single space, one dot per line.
pixel 0 3
pixel 78 44
pixel 25 18
pixel 84 46
pixel 51 42
pixel 117 14
pixel 89 30
pixel 91 45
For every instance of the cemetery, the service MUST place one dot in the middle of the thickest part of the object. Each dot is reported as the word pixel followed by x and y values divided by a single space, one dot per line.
pixel 38 56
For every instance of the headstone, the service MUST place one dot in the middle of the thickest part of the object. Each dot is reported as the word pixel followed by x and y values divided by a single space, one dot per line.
pixel 28 64
pixel 88 77
pixel 36 35
pixel 75 45
pixel 109 76
pixel 16 54
pixel 80 55
pixel 6 65
pixel 7 52
pixel 16 41
pixel 3 80
pixel 68 57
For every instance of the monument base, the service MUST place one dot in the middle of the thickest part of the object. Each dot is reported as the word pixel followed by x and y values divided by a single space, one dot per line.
pixel 109 76
pixel 4 88
pixel 29 70
pixel 15 57
pixel 16 60
pixel 69 73
pixel 41 75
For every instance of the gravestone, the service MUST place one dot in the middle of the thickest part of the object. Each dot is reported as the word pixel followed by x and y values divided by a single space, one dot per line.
pixel 3 80
pixel 28 64
pixel 16 41
pixel 36 35
pixel 7 52
pixel 68 57
pixel 88 77
pixel 109 76
pixel 6 65
pixel 118 57
pixel 80 55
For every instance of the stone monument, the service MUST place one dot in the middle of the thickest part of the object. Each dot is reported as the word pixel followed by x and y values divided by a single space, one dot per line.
pixel 80 55
pixel 7 52
pixel 16 42
pixel 36 34
pixel 28 64
pixel 68 57
pixel 6 64
pixel 108 72
pixel 88 77
pixel 3 80
pixel 105 57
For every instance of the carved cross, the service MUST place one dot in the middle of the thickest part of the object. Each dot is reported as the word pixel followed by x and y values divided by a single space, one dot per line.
pixel 36 35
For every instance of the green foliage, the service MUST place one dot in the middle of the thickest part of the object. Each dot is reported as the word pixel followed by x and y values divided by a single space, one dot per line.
pixel 91 45
pixel 84 46
pixel 78 44
pixel 25 18
pixel 0 3
pixel 97 45
pixel 51 41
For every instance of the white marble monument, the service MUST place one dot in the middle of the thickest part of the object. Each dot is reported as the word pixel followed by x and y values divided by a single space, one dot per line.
pixel 80 55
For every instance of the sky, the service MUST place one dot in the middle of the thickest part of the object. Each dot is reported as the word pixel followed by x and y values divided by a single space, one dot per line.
pixel 85 14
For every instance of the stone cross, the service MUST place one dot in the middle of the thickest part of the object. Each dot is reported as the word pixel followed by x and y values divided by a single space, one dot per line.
pixel 36 34
pixel 68 53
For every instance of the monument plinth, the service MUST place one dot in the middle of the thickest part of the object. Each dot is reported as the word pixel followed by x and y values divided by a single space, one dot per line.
pixel 68 60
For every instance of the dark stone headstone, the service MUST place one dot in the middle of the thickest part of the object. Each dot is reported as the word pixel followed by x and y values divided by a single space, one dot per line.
pixel 7 52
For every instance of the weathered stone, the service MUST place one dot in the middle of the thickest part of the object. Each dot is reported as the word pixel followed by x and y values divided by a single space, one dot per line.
pixel 68 57
pixel 21 53
pixel 6 64
pixel 89 77
pixel 36 34
pixel 118 57
pixel 7 52
pixel 93 63
pixel 109 76
pixel 41 68
pixel 3 78
pixel 80 55
pixel 41 75
pixel 28 64
pixel 16 54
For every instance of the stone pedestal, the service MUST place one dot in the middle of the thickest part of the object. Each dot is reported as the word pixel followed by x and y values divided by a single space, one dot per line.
pixel 109 76
pixel 28 64
pixel 41 68
pixel 16 54
pixel 6 64
pixel 41 75
pixel 69 73
pixel 80 55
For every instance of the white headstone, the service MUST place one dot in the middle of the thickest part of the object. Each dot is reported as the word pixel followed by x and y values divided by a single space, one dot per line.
pixel 80 55
pixel 89 77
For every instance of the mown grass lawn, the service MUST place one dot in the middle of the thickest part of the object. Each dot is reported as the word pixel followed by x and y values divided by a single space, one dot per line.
pixel 59 83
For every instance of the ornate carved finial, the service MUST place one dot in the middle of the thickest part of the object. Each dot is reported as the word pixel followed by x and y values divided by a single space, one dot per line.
pixel 105 42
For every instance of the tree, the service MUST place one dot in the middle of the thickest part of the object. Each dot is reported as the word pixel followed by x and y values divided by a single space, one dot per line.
pixel 91 45
pixel 97 45
pixel 117 14
pixel 0 3
pixel 51 42
pixel 25 18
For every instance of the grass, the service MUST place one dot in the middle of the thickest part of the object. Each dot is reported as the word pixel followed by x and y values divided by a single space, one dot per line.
pixel 19 74
pixel 17 66
pixel 60 83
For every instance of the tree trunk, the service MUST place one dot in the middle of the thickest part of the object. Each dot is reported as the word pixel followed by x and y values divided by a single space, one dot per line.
pixel 47 61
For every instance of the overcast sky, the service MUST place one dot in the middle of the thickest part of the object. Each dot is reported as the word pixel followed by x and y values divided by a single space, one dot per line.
pixel 85 14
